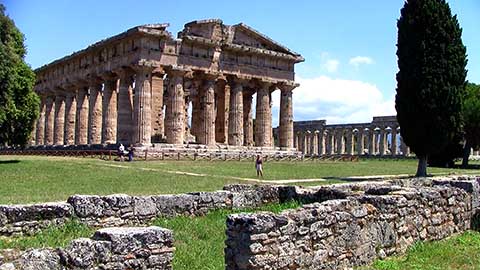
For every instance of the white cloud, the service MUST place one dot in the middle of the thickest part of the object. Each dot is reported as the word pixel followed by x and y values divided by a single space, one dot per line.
pixel 359 60
pixel 331 65
pixel 336 100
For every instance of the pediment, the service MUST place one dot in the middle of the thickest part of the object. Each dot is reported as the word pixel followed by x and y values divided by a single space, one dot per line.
pixel 247 36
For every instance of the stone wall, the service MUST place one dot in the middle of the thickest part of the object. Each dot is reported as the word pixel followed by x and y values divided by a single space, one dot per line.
pixel 354 225
pixel 29 218
pixel 111 248
pixel 121 209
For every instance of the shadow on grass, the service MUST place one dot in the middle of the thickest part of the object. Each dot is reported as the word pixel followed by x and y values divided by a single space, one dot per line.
pixel 10 161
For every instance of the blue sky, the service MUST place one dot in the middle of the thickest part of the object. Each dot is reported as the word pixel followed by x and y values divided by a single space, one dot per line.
pixel 349 46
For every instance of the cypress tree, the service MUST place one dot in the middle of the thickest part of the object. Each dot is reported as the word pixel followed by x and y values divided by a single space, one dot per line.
pixel 431 77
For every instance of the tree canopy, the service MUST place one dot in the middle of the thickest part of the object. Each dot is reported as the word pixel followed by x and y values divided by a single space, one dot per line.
pixel 431 77
pixel 18 103
pixel 471 114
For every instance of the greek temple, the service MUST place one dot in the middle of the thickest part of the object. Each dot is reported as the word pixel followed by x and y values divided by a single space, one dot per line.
pixel 381 137
pixel 139 86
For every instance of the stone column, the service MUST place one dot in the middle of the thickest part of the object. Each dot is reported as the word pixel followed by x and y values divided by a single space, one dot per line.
pixel 70 113
pixel 33 135
pixel 295 144
pixel 382 148
pixel 339 141
pixel 223 103
pixel 175 113
pixel 286 116
pixel 81 125
pixel 59 125
pixel 360 138
pixel 371 142
pixel 40 136
pixel 125 107
pixel 109 113
pixel 157 105
pixel 331 142
pixel 476 153
pixel 263 120
pixel 196 113
pixel 247 119
pixel 142 106
pixel 321 143
pixel 394 142
pixel 305 142
pixel 405 149
pixel 235 117
pixel 49 120
pixel 188 129
pixel 95 112
pixel 207 100
pixel 350 142
pixel 315 143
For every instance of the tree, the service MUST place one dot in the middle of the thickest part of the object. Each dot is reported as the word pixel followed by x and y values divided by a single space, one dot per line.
pixel 471 114
pixel 18 103
pixel 431 77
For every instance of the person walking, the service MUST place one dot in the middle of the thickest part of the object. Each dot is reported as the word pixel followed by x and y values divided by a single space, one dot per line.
pixel 258 166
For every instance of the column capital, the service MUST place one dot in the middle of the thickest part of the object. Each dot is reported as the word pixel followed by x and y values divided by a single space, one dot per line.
pixel 108 76
pixel 238 80
pixel 287 86
pixel 142 68
pixel 59 92
pixel 123 72
pixel 175 71
pixel 94 80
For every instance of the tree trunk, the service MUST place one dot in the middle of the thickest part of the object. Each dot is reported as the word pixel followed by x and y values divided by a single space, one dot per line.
pixel 466 154
pixel 422 166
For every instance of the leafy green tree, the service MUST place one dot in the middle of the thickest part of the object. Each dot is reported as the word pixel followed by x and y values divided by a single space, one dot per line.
pixel 18 103
pixel 471 114
pixel 431 77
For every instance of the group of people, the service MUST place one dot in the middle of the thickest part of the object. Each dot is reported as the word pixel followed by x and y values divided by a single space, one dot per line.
pixel 122 152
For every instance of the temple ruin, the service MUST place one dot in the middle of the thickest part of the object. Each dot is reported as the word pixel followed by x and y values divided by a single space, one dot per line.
pixel 381 137
pixel 137 87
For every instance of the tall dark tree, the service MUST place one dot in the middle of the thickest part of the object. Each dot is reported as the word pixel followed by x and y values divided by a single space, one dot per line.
pixel 431 77
pixel 471 113
pixel 18 103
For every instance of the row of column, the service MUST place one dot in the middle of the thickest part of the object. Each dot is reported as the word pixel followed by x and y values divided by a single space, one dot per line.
pixel 127 105
pixel 379 141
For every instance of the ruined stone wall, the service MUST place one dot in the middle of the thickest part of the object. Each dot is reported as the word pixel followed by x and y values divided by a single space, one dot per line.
pixel 354 225
pixel 17 219
pixel 112 248
pixel 121 209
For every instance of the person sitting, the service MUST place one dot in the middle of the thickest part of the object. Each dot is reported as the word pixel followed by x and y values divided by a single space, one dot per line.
pixel 130 152
pixel 121 150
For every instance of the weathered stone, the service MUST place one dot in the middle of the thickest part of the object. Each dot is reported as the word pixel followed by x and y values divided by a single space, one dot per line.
pixel 40 259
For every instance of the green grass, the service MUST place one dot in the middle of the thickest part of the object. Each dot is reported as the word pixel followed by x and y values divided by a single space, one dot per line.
pixel 52 236
pixel 199 242
pixel 27 179
pixel 459 252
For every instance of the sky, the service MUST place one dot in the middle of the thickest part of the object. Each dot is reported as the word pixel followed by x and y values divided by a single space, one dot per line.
pixel 349 46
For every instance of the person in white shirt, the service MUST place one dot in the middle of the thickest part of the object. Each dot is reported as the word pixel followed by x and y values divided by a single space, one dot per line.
pixel 121 150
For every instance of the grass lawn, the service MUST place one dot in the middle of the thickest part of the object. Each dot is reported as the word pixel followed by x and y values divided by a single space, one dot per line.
pixel 26 179
pixel 459 252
